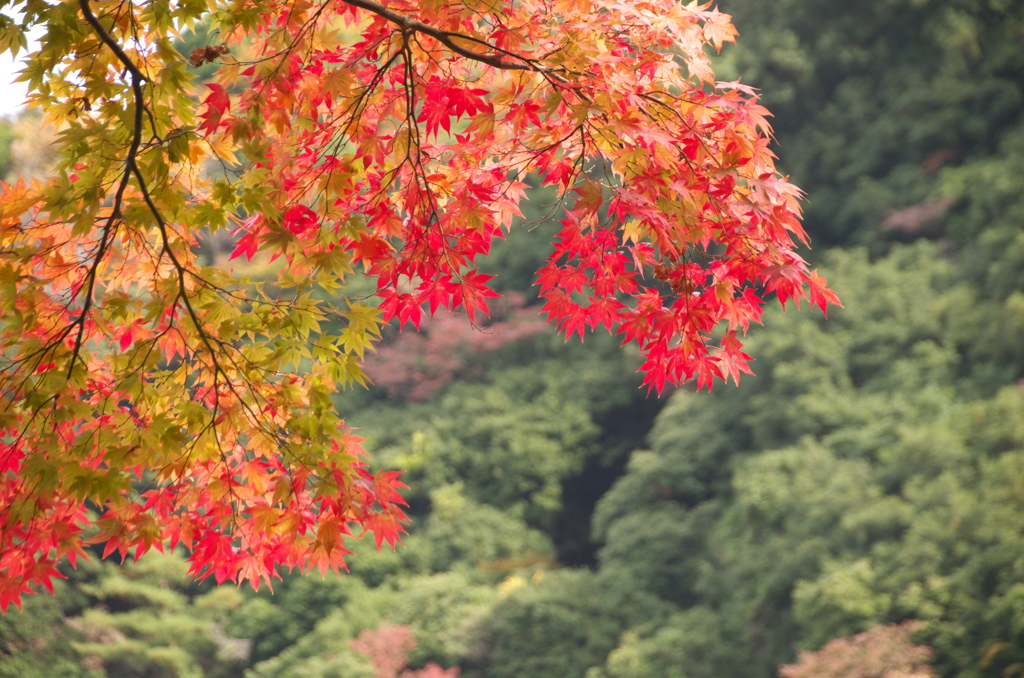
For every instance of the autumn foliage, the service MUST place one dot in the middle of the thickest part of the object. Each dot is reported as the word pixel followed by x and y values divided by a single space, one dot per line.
pixel 148 399
pixel 413 366
pixel 388 649
pixel 884 651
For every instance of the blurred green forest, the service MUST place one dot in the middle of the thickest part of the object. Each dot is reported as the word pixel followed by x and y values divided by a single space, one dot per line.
pixel 566 525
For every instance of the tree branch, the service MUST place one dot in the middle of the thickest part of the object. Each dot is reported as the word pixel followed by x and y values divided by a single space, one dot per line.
pixel 137 78
pixel 105 37
pixel 447 38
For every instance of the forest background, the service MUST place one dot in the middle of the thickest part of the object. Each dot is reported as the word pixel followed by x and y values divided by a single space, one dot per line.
pixel 568 525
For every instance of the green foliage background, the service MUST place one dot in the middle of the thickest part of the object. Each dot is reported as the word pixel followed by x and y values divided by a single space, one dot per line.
pixel 566 525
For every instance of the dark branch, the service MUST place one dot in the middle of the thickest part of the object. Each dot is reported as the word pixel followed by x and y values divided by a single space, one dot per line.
pixel 137 78
pixel 517 62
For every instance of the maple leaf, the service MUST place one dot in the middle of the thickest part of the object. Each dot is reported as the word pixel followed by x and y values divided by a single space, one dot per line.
pixel 821 296
pixel 732 360
pixel 218 103
pixel 443 101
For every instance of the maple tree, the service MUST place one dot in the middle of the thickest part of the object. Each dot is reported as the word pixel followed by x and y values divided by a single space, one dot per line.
pixel 883 651
pixel 388 649
pixel 416 366
pixel 151 399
